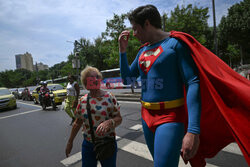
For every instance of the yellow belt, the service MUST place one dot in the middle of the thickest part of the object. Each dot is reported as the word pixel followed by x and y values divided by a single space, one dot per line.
pixel 163 105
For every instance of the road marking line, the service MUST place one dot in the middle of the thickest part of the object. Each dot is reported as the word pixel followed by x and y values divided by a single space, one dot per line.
pixel 135 147
pixel 137 127
pixel 27 104
pixel 27 112
pixel 72 159
pixel 141 150
pixel 233 148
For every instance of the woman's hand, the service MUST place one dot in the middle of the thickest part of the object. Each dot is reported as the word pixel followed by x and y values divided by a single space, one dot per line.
pixel 68 148
pixel 190 145
pixel 123 41
pixel 104 127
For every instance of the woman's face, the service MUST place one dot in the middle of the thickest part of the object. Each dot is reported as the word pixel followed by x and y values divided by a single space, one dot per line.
pixel 71 80
pixel 93 81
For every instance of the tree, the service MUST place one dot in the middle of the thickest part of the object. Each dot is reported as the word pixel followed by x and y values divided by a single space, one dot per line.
pixel 192 20
pixel 235 28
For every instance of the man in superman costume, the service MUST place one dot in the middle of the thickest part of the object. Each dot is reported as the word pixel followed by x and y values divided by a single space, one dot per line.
pixel 192 103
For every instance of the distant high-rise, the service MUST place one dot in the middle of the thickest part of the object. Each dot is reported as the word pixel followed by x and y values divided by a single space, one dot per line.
pixel 40 66
pixel 24 61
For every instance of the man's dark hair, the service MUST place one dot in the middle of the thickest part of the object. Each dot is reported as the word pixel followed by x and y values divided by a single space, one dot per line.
pixel 143 13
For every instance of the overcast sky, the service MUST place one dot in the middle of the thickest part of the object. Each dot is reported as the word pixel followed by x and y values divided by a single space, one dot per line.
pixel 42 27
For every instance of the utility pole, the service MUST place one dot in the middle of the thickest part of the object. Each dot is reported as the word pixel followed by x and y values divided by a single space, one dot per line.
pixel 215 33
pixel 163 22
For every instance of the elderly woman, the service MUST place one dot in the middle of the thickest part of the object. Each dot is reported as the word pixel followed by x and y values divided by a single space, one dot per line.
pixel 105 114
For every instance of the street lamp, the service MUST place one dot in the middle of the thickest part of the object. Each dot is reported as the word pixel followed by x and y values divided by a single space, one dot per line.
pixel 76 60
pixel 76 64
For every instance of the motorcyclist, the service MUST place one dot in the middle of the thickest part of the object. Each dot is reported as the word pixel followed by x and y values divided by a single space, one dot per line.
pixel 43 90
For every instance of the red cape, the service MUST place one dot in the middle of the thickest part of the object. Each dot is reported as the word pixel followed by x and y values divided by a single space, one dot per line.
pixel 225 99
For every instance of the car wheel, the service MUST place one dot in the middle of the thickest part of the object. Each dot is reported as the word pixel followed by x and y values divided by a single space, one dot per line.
pixel 34 100
pixel 14 107
pixel 54 106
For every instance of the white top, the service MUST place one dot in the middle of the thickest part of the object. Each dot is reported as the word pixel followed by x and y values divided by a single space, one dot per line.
pixel 71 91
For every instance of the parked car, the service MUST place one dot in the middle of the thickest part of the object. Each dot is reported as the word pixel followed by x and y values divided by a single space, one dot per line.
pixel 14 92
pixel 19 93
pixel 7 100
pixel 27 93
pixel 58 90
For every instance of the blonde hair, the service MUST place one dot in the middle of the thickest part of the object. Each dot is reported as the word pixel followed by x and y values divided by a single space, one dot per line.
pixel 85 72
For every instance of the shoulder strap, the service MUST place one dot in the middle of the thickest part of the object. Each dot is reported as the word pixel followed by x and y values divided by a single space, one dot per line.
pixel 90 121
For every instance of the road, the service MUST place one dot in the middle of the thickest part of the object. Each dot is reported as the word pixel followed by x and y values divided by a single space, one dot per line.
pixel 31 137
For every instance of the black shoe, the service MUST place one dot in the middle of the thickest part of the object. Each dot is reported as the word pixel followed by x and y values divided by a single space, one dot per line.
pixel 73 119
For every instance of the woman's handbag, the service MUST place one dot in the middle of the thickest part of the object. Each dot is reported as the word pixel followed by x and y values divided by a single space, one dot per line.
pixel 105 147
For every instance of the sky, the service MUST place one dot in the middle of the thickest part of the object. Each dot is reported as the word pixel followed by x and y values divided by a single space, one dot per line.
pixel 45 28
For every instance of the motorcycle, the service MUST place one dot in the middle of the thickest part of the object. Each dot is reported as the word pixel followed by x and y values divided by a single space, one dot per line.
pixel 47 99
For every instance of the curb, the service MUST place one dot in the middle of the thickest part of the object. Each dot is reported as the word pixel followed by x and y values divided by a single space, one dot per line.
pixel 125 96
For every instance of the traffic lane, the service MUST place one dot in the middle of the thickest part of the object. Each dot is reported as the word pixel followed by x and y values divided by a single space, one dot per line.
pixel 22 106
pixel 35 139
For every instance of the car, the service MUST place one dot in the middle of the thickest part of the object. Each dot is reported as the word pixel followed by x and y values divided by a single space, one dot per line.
pixel 58 90
pixel 7 99
pixel 19 92
pixel 14 92
pixel 27 93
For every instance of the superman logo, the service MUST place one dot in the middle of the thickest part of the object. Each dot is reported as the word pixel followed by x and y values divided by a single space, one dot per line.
pixel 148 57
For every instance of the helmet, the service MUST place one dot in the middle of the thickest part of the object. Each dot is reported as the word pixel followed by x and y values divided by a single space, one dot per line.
pixel 44 83
pixel 41 82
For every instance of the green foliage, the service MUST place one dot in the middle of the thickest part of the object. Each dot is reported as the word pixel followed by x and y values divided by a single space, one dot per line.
pixel 17 78
pixel 114 27
pixel 189 19
pixel 234 30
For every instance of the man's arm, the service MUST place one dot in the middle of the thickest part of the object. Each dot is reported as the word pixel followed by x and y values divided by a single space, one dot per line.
pixel 128 73
pixel 191 80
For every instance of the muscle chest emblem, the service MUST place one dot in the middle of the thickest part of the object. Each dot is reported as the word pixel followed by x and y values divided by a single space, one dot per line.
pixel 147 58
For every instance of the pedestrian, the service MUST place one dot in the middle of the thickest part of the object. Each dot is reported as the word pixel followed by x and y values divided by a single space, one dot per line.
pixel 71 100
pixel 173 72
pixel 105 114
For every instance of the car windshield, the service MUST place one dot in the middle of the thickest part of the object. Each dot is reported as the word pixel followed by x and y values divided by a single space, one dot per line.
pixel 55 87
pixel 4 92
pixel 32 88
pixel 12 90
pixel 20 89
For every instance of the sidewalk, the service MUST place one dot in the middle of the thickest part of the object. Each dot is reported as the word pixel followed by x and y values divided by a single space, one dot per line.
pixel 121 95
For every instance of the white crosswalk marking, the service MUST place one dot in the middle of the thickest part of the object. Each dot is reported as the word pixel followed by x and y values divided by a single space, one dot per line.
pixel 141 150
pixel 136 127
pixel 134 147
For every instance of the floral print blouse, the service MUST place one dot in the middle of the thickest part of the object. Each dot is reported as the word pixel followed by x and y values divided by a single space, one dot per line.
pixel 102 109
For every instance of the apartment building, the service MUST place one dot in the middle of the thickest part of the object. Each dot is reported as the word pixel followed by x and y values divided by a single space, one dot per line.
pixel 24 61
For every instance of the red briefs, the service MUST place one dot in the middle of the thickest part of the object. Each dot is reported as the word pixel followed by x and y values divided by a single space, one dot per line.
pixel 153 118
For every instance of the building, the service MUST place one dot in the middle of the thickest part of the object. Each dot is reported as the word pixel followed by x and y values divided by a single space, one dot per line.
pixel 41 66
pixel 24 61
